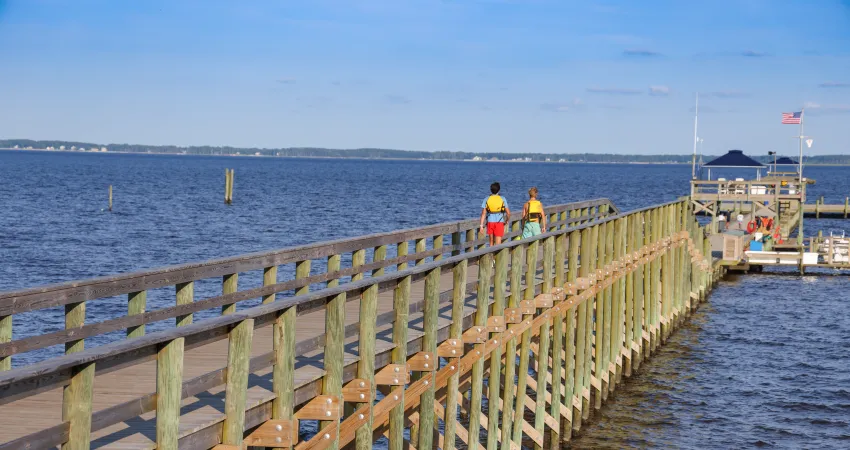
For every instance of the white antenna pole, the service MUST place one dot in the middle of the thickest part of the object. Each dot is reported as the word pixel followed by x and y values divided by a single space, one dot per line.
pixel 694 162
pixel 802 114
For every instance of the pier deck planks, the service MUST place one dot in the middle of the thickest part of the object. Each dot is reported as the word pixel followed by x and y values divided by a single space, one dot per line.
pixel 44 410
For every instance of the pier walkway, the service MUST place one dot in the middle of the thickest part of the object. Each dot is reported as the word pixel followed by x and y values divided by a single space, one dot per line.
pixel 407 348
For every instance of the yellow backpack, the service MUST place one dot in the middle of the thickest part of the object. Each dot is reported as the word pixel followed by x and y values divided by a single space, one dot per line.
pixel 535 210
pixel 495 205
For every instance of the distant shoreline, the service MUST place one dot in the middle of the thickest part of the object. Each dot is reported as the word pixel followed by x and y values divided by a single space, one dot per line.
pixel 400 155
pixel 114 152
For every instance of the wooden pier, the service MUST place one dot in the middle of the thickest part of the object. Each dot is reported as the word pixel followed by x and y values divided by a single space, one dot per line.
pixel 435 341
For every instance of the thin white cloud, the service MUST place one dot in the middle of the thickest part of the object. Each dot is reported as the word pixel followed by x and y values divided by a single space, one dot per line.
pixel 286 80
pixel 834 84
pixel 614 91
pixel 640 53
pixel 823 109
pixel 659 91
pixel 725 94
pixel 753 54
pixel 396 99
pixel 574 105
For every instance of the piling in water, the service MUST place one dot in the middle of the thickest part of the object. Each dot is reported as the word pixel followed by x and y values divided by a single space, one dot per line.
pixel 110 197
pixel 228 186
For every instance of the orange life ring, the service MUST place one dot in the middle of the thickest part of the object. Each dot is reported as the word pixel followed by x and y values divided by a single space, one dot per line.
pixel 751 227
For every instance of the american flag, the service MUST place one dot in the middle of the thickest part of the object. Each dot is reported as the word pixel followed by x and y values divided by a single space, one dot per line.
pixel 793 118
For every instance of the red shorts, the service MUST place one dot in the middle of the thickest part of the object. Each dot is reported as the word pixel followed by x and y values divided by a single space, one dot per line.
pixel 496 229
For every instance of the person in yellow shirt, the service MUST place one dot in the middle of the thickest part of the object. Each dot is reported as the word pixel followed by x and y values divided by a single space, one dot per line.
pixel 533 216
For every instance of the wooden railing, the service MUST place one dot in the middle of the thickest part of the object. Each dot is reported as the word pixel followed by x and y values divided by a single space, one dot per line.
pixel 746 190
pixel 314 264
pixel 567 326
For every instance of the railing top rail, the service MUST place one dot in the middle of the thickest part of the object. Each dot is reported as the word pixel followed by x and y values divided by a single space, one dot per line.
pixel 33 378
pixel 15 301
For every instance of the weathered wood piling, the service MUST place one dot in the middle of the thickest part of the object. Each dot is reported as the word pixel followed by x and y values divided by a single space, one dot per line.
pixel 542 330
pixel 228 186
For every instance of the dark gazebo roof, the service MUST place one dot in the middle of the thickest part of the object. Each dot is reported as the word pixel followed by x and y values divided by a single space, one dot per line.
pixel 735 158
pixel 785 161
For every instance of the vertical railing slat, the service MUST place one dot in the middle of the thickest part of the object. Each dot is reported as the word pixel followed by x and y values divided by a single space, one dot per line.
pixel 184 295
pixel 500 280
pixel 401 306
pixel 236 388
pixel 366 364
pixel 485 268
pixel 5 336
pixel 334 343
pixel 169 383
pixel 429 344
pixel 229 285
pixel 270 278
pixel 136 304
pixel 455 332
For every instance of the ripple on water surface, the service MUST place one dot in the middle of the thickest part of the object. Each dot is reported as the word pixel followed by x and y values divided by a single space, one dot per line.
pixel 763 364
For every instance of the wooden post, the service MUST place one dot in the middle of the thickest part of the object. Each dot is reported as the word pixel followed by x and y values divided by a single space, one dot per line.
pixel 379 254
pixel 302 270
pixel 542 372
pixel 591 315
pixel 455 332
pixel 229 284
pixel 366 364
pixel 136 302
pixel 577 238
pixel 270 278
pixel 437 244
pixel 602 318
pixel 617 309
pixel 500 285
pixel 638 292
pixel 334 345
pixel 846 207
pixel 283 370
pixel 456 242
pixel 485 269
pixel 230 188
pixel 185 294
pixel 77 395
pixel 525 349
pixel 401 306
pixel 238 357
pixel 169 385
pixel 511 348
pixel 419 246
pixel 77 406
pixel 110 197
pixel 226 186
pixel 358 258
pixel 75 317
pixel 5 336
pixel 544 343
pixel 429 344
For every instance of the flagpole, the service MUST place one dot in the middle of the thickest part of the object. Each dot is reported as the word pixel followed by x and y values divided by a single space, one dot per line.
pixel 802 191
pixel 802 115
pixel 694 161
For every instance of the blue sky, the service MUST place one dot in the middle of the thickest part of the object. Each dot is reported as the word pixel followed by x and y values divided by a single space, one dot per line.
pixel 472 75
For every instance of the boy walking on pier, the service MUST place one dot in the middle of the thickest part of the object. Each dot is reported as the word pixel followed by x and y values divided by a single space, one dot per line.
pixel 496 214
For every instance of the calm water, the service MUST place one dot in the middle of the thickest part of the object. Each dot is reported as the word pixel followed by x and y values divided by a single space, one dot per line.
pixel 763 364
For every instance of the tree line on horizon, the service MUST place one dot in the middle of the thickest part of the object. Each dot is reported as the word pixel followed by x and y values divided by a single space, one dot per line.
pixel 378 153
